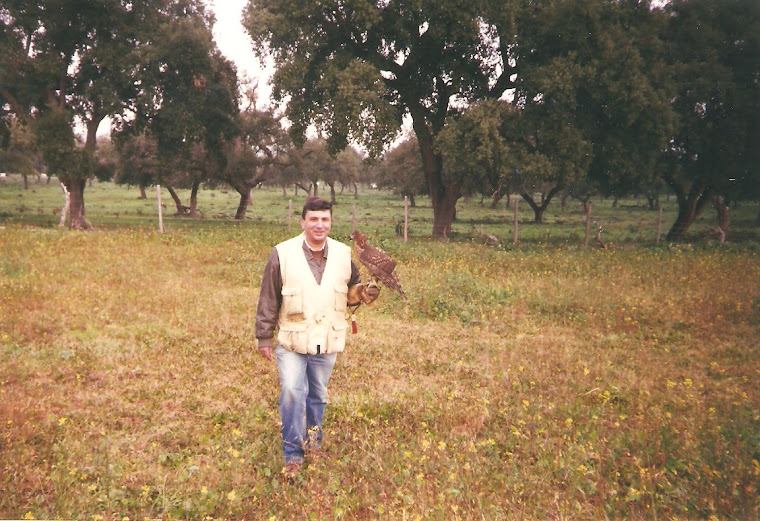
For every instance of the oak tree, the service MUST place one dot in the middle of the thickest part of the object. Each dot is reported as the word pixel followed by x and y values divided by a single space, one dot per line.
pixel 356 68
pixel 71 59
pixel 715 50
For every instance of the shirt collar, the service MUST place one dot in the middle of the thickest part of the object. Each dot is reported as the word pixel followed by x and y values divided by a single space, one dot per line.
pixel 308 251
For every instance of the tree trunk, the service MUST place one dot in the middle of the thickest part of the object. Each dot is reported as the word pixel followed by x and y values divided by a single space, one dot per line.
pixel 681 225
pixel 690 206
pixel 175 197
pixel 194 198
pixel 91 139
pixel 332 193
pixel 26 181
pixel 444 212
pixel 443 197
pixel 143 195
pixel 356 191
pixel 584 203
pixel 498 195
pixel 76 186
pixel 245 196
pixel 653 198
pixel 76 204
pixel 538 210
pixel 688 211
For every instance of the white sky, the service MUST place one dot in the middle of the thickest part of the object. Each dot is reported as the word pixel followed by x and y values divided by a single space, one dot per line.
pixel 235 44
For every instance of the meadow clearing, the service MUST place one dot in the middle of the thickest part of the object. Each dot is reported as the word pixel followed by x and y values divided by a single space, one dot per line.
pixel 543 381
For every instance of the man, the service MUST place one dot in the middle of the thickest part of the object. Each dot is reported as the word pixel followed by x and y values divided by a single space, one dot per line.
pixel 307 283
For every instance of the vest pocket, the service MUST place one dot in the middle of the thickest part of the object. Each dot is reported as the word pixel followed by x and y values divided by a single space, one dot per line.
pixel 293 337
pixel 341 297
pixel 292 303
pixel 337 340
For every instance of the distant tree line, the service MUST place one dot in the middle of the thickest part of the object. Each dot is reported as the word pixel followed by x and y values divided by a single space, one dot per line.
pixel 572 96
pixel 559 97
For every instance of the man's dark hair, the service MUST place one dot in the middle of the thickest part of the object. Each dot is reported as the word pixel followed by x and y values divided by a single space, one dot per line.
pixel 315 204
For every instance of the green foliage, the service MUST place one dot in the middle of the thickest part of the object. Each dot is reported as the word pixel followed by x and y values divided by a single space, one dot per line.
pixel 594 84
pixel 138 162
pixel 359 110
pixel 21 154
pixel 716 95
pixel 260 142
pixel 193 91
pixel 474 152
pixel 601 89
pixel 55 139
pixel 401 170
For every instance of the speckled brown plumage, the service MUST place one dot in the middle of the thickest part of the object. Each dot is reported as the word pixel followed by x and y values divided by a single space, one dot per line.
pixel 380 265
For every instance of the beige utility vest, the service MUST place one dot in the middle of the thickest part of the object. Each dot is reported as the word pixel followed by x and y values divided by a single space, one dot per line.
pixel 313 316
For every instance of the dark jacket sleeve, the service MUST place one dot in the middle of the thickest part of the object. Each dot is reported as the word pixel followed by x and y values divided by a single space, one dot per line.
pixel 270 299
pixel 355 277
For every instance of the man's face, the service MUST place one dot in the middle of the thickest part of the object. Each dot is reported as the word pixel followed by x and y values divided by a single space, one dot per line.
pixel 316 226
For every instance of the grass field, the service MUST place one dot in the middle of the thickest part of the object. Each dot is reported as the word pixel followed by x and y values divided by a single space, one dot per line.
pixel 375 212
pixel 544 381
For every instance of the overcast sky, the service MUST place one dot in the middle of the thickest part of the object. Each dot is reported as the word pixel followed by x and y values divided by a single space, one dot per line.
pixel 235 44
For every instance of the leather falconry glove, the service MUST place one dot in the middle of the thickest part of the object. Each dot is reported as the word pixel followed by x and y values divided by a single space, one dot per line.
pixel 370 292
pixel 366 293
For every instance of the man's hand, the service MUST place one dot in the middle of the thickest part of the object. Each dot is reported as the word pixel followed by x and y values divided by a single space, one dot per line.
pixel 366 293
pixel 370 292
pixel 266 352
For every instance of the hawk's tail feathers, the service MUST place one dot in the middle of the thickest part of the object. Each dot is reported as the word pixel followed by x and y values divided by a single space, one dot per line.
pixel 395 284
pixel 392 283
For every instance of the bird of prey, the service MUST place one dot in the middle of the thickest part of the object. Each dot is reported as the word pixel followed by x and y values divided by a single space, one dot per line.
pixel 379 263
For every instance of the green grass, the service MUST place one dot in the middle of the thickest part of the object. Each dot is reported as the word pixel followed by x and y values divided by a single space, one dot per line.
pixel 546 381
pixel 375 212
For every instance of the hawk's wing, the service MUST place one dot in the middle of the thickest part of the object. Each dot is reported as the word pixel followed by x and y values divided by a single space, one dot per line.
pixel 377 261
pixel 381 266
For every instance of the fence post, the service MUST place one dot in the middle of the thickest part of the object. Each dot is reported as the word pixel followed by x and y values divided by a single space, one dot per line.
pixel 406 216
pixel 353 218
pixel 160 210
pixel 65 209
pixel 588 224
pixel 514 224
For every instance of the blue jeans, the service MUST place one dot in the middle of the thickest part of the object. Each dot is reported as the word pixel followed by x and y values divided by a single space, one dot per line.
pixel 303 397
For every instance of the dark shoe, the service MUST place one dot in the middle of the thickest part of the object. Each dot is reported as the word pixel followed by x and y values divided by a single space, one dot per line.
pixel 291 471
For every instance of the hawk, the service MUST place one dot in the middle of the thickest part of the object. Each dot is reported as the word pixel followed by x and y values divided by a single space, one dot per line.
pixel 379 263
